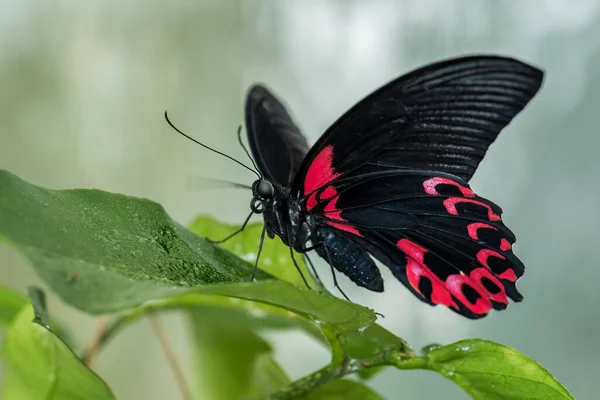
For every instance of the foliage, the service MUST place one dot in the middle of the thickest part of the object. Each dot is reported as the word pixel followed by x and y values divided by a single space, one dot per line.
pixel 109 253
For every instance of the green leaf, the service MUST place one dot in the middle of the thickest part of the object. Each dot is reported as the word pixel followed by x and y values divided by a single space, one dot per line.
pixel 274 257
pixel 342 389
pixel 228 351
pixel 40 309
pixel 83 242
pixel 491 371
pixel 375 339
pixel 40 366
pixel 11 303
pixel 252 315
pixel 372 340
pixel 106 252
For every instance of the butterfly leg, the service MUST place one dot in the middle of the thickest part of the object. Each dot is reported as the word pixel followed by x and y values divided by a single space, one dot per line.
pixel 314 271
pixel 233 234
pixel 260 246
pixel 313 247
pixel 298 267
pixel 290 240
pixel 305 249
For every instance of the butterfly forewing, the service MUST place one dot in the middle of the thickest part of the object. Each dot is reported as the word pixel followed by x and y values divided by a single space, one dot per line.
pixel 448 245
pixel 441 117
pixel 276 142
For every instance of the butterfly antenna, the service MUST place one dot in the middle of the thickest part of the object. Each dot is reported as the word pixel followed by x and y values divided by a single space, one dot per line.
pixel 239 134
pixel 210 148
pixel 194 181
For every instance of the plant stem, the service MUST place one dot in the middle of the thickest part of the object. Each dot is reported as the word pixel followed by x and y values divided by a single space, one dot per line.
pixel 397 357
pixel 400 357
pixel 186 394
pixel 109 329
pixel 94 347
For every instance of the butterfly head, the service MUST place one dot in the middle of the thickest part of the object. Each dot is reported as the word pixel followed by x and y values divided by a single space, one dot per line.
pixel 262 194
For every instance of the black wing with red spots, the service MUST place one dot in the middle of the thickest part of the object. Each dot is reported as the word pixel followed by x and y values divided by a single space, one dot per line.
pixel 445 243
pixel 391 174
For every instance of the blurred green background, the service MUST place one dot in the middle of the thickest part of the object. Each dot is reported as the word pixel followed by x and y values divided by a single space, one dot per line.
pixel 83 88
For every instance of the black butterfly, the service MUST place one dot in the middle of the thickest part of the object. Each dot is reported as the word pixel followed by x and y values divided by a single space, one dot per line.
pixel 389 180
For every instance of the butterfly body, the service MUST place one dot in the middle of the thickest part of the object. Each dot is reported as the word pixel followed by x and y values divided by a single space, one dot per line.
pixel 389 181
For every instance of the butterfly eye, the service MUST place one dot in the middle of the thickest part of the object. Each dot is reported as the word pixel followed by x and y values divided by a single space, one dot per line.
pixel 257 206
pixel 265 189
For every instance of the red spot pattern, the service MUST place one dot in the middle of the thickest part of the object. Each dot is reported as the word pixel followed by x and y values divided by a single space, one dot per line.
pixel 442 292
pixel 332 209
pixel 455 283
pixel 312 201
pixel 508 275
pixel 416 269
pixel 344 227
pixel 430 186
pixel 479 273
pixel 320 171
pixel 475 226
pixel 333 213
pixel 451 202
pixel 484 254
pixel 328 193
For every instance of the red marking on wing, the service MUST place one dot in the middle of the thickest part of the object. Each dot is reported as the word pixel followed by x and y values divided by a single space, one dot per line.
pixel 505 245
pixel 335 214
pixel 475 226
pixel 484 254
pixel 320 170
pixel 508 275
pixel 331 207
pixel 416 269
pixel 328 193
pixel 479 273
pixel 344 227
pixel 312 201
pixel 442 292
pixel 451 202
pixel 455 282
pixel 430 186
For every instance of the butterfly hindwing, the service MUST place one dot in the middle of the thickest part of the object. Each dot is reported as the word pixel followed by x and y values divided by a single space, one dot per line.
pixel 445 243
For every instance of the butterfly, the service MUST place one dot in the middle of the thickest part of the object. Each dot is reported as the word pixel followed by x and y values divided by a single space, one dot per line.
pixel 388 181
